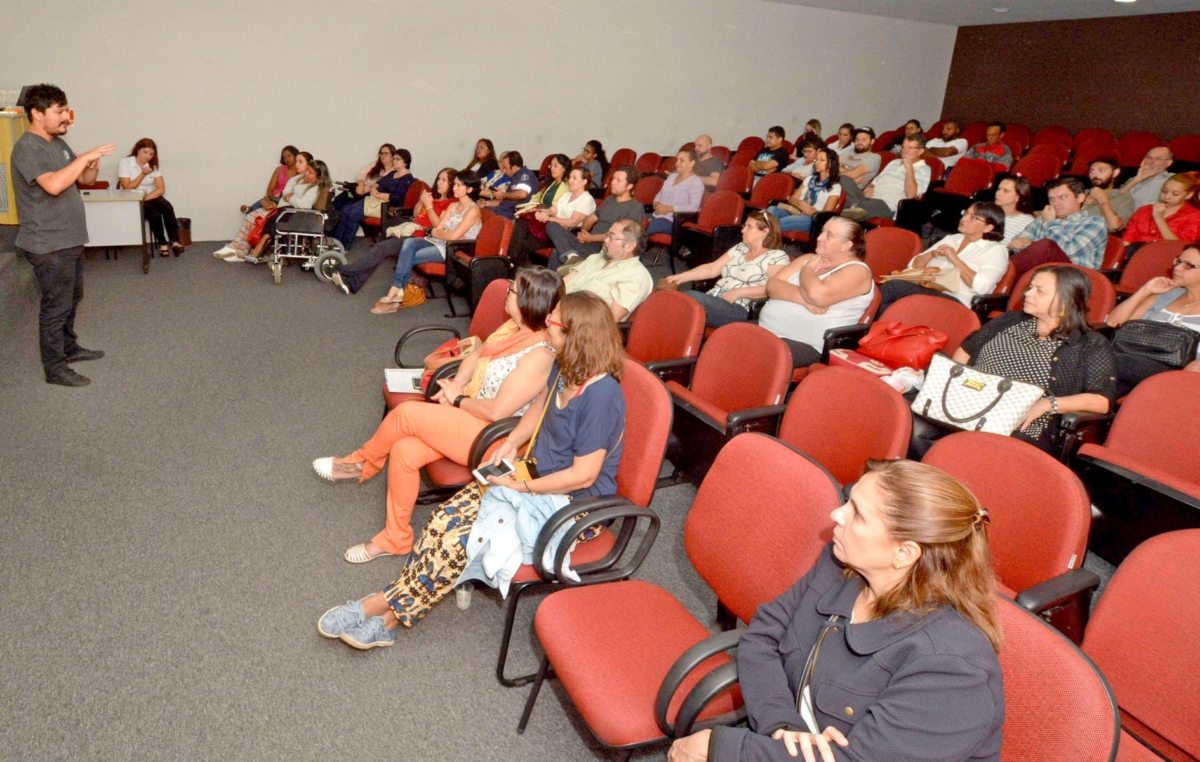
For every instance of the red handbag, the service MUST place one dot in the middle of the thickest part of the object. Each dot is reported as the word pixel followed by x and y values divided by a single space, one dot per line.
pixel 897 345
pixel 260 225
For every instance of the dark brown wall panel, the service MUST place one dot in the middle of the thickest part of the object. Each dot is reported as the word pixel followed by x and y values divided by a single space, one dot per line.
pixel 1123 74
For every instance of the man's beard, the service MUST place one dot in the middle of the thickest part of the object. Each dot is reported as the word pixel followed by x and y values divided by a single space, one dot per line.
pixel 1102 184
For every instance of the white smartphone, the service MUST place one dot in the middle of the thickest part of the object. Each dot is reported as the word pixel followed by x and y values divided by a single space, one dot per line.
pixel 504 468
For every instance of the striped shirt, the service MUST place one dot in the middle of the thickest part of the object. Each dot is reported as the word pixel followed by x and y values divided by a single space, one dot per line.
pixel 1082 237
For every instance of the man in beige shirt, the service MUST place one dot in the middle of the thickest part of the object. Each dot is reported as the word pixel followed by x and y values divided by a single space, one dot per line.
pixel 616 274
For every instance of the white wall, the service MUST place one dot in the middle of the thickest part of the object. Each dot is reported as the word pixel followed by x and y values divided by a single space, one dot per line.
pixel 222 85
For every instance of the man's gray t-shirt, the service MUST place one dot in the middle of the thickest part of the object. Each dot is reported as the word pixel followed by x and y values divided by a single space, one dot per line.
pixel 612 210
pixel 853 160
pixel 48 223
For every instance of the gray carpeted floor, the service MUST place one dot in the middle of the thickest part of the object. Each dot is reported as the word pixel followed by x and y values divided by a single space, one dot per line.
pixel 166 549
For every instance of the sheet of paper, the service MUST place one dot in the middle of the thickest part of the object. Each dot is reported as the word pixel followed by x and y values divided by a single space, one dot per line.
pixel 400 380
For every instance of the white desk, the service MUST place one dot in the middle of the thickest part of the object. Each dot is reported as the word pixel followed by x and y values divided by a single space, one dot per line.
pixel 115 218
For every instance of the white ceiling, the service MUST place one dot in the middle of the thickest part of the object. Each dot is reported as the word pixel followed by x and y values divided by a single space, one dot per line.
pixel 975 12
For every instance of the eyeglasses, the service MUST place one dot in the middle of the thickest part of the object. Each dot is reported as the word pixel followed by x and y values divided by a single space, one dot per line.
pixel 555 323
pixel 1181 262
pixel 616 237
pixel 967 213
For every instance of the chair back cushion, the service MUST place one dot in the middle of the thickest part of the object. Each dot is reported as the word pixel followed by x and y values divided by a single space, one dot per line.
pixel 759 521
pixel 648 411
pixel 890 249
pixel 1040 511
pixel 722 207
pixel 1056 703
pixel 1157 424
pixel 646 189
pixel 489 313
pixel 843 417
pixel 1103 299
pixel 493 235
pixel 776 186
pixel 414 193
pixel 950 317
pixel 623 156
pixel 1038 168
pixel 1150 261
pixel 742 366
pixel 667 326
pixel 969 175
pixel 1143 637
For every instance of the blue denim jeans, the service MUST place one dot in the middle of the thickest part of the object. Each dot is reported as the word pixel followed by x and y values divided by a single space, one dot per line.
pixel 413 252
pixel 791 223
pixel 660 225
pixel 717 311
pixel 347 229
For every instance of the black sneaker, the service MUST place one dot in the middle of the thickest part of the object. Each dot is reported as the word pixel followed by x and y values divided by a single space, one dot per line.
pixel 83 355
pixel 68 377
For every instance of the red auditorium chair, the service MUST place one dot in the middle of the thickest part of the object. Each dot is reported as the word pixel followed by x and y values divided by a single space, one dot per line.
pixel 1040 522
pixel 777 186
pixel 1144 479
pixel 723 154
pixel 886 158
pixel 645 191
pixel 1134 146
pixel 475 264
pixel 936 130
pixel 667 166
pixel 806 240
pixel 714 231
pixel 885 140
pixel 741 367
pixel 1143 638
pixel 1057 705
pixel 648 163
pixel 623 156
pixel 614 554
pixel 665 336
pixel 1089 152
pixel 736 178
pixel 1018 132
pixel 1186 149
pixel 688 146
pixel 1017 149
pixel 1084 136
pixel 544 171
pixel 968 177
pixel 637 665
pixel 1038 168
pixel 1104 295
pixel 890 249
pixel 1152 260
pixel 1114 258
pixel 974 133
pixel 835 338
pixel 1052 134
pixel 742 157
pixel 1060 152
pixel 489 315
pixel 752 143
pixel 392 214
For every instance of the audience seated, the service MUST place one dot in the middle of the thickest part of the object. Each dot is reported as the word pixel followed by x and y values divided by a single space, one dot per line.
pixel 593 158
pixel 1174 300
pixel 742 272
pixel 503 198
pixel 993 149
pixel 845 140
pixel 1104 200
pixel 819 192
pixel 577 424
pixel 682 191
pixel 1172 218
pixel 483 161
pixel 301 191
pixel 708 167
pixel 806 152
pixel 859 166
pixel 1146 185
pixel 773 157
pixel 392 183
pixel 950 146
pixel 1013 195
pixel 570 248
pixel 499 379
pixel 569 210
pixel 975 252
pixel 827 289
pixel 427 214
pixel 812 131
pixel 284 172
pixel 1063 233
pixel 1048 344
pixel 616 274
pixel 911 127
pixel 461 222
pixel 139 171
pixel 901 608
pixel 906 178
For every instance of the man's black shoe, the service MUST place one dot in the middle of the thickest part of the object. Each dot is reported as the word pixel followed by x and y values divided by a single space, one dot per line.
pixel 83 355
pixel 68 377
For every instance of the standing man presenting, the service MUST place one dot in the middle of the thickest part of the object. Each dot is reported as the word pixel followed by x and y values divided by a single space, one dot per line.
pixel 53 228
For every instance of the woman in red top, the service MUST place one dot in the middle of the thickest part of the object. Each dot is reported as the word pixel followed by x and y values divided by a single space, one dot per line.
pixel 1173 218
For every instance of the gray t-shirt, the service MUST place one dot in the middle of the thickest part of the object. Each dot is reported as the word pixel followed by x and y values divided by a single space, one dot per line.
pixel 853 160
pixel 48 223
pixel 1120 201
pixel 612 210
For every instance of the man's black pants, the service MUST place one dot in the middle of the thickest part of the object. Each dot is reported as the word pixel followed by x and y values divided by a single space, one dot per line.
pixel 59 277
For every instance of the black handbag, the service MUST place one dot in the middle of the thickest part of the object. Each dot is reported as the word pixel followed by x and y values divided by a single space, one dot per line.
pixel 1168 344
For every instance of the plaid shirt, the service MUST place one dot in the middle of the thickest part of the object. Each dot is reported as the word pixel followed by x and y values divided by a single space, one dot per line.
pixel 1082 237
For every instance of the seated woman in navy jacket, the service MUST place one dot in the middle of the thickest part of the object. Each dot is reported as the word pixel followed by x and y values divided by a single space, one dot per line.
pixel 886 649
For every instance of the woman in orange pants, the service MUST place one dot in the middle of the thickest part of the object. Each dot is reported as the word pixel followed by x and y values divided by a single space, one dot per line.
pixel 497 380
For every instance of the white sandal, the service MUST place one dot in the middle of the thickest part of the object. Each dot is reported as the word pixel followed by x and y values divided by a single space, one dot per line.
pixel 325 469
pixel 358 554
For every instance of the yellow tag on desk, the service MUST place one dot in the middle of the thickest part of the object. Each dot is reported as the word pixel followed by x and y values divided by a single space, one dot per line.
pixel 971 383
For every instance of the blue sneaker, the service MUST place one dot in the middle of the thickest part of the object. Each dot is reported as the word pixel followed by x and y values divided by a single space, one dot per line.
pixel 370 634
pixel 339 619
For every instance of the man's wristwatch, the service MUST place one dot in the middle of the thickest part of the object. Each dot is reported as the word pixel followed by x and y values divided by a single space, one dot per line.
pixel 458 400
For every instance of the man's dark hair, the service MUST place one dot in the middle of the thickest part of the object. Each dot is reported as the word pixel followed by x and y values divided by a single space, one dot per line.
pixel 917 138
pixel 992 215
pixel 1110 161
pixel 812 143
pixel 634 228
pixel 514 159
pixel 631 174
pixel 1075 184
pixel 778 131
pixel 1003 127
pixel 42 97
pixel 404 155
pixel 867 131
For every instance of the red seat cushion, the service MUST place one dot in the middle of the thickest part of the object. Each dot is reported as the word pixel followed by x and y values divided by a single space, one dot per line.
pixel 703 405
pixel 660 239
pixel 584 553
pixel 882 222
pixel 612 645
pixel 446 472
pixel 1124 460
pixel 435 269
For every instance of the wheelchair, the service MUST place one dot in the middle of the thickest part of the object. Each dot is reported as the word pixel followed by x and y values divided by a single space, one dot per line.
pixel 300 235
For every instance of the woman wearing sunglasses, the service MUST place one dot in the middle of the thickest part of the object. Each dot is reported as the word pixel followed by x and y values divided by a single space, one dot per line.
pixel 1174 300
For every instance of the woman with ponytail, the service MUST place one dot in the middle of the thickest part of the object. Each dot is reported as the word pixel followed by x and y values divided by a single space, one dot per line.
pixel 886 648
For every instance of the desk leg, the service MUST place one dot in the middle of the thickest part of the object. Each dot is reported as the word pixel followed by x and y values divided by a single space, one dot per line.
pixel 146 255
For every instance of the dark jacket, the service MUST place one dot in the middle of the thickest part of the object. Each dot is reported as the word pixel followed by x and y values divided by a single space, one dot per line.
pixel 900 688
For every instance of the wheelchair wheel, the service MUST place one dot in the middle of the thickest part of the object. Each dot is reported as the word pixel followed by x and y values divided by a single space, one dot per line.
pixel 333 258
pixel 277 271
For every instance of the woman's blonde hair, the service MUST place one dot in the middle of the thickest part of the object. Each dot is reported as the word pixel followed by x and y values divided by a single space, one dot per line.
pixel 593 341
pixel 927 506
